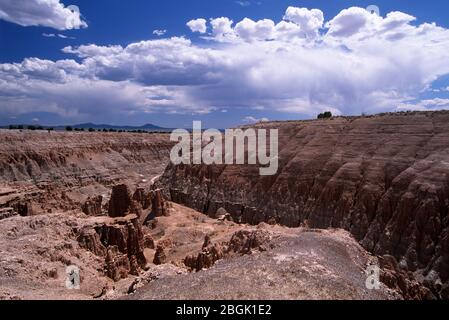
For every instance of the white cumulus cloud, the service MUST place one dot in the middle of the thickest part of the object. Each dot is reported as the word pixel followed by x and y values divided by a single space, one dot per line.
pixel 359 63
pixel 46 13
pixel 248 29
pixel 198 25
pixel 360 23
pixel 309 21
pixel 222 29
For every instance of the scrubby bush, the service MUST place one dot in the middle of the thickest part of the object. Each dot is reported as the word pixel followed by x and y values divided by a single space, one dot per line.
pixel 325 115
pixel 68 128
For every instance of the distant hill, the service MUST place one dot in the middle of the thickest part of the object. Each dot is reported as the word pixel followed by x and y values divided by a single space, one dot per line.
pixel 148 127
pixel 86 126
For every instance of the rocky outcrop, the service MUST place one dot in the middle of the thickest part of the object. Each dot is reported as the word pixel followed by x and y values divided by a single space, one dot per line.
pixel 205 259
pixel 159 256
pixel 383 178
pixel 242 242
pixel 118 265
pixel 143 202
pixel 120 241
pixel 25 209
pixel 158 204
pixel 25 202
pixel 401 280
pixel 6 213
pixel 210 254
pixel 93 206
pixel 142 196
pixel 29 201
pixel 126 235
pixel 90 240
pixel 120 238
pixel 148 241
pixel 120 202
pixel 152 200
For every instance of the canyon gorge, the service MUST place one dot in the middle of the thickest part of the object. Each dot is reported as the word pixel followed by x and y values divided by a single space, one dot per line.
pixel 350 192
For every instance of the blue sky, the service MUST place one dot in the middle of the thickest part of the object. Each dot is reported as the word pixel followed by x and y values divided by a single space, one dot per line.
pixel 119 23
pixel 124 22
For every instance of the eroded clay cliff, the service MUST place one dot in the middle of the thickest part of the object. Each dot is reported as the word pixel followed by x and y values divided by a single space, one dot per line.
pixel 78 158
pixel 60 171
pixel 383 178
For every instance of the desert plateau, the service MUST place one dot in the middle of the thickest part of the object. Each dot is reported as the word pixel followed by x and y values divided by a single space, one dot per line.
pixel 350 192
pixel 226 158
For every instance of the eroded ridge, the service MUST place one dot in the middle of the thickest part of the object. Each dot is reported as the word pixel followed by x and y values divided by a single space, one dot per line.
pixel 384 178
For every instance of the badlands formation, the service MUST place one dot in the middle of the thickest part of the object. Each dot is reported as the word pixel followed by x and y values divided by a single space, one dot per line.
pixel 351 192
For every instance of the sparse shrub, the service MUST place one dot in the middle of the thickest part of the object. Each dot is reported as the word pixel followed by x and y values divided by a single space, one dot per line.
pixel 68 128
pixel 325 115
pixel 11 127
pixel 91 130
